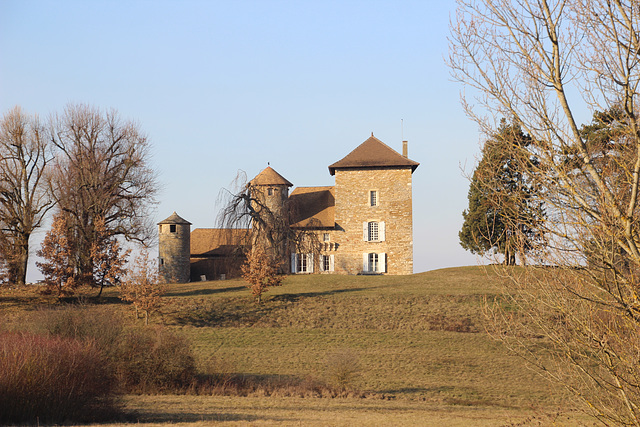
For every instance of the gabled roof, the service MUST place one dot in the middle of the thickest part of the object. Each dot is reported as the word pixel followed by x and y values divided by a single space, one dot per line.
pixel 270 177
pixel 174 218
pixel 312 207
pixel 207 242
pixel 373 153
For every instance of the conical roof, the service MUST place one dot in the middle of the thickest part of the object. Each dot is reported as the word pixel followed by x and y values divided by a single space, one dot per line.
pixel 174 218
pixel 373 153
pixel 270 177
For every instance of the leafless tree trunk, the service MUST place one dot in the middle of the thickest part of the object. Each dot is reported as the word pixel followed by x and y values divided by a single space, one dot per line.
pixel 23 200
pixel 546 63
pixel 101 171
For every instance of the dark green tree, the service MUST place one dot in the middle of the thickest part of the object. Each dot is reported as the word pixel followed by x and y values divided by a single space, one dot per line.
pixel 504 213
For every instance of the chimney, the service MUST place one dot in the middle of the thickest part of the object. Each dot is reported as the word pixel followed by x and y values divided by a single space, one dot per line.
pixel 405 149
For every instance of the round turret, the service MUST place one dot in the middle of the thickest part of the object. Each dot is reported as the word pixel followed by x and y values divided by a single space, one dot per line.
pixel 174 249
pixel 270 192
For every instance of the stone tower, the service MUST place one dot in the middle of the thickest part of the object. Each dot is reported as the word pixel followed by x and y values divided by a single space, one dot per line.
pixel 373 210
pixel 174 249
pixel 271 192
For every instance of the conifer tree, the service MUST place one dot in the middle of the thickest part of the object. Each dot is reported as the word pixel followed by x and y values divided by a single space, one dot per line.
pixel 504 212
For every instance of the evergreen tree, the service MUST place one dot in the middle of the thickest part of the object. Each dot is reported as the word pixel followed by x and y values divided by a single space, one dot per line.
pixel 504 213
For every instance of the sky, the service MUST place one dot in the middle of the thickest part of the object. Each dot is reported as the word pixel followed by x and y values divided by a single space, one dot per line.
pixel 226 86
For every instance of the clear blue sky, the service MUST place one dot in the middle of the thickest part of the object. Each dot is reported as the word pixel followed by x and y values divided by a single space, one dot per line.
pixel 222 86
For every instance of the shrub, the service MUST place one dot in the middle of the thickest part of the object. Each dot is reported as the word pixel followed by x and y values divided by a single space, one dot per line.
pixel 85 323
pixel 149 359
pixel 153 360
pixel 52 380
pixel 343 367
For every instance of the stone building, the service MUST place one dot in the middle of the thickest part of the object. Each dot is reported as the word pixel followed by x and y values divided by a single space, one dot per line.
pixel 363 224
pixel 174 249
pixel 365 219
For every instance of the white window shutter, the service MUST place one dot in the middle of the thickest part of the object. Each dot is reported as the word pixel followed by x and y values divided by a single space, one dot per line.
pixel 381 231
pixel 310 263
pixel 365 231
pixel 321 263
pixel 294 262
pixel 382 263
pixel 331 263
pixel 365 262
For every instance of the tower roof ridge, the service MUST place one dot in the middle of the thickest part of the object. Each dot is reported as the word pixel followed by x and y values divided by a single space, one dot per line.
pixel 174 218
pixel 373 153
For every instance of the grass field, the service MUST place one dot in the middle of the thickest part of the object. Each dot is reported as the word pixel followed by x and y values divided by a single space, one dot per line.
pixel 416 344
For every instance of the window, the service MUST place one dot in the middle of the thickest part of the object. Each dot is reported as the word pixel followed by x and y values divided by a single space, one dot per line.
pixel 270 191
pixel 373 231
pixel 302 263
pixel 326 263
pixel 325 237
pixel 373 198
pixel 172 228
pixel 374 263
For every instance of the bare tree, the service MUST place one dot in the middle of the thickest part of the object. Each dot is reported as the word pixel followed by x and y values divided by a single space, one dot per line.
pixel 101 172
pixel 23 200
pixel 547 63
pixel 246 207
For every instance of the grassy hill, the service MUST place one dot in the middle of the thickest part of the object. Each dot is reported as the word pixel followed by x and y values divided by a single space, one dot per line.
pixel 412 340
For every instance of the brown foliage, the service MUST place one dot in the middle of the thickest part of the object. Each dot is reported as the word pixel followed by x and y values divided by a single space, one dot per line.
pixel 57 252
pixel 261 271
pixel 107 261
pixel 142 286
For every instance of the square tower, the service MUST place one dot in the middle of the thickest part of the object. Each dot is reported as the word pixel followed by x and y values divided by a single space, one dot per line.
pixel 373 210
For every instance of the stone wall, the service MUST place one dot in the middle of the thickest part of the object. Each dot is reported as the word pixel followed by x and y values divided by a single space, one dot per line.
pixel 353 208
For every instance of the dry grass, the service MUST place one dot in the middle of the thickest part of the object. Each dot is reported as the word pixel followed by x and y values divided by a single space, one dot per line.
pixel 197 411
pixel 422 353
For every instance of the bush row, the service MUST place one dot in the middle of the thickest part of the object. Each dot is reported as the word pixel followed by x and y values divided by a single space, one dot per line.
pixel 52 379
pixel 70 364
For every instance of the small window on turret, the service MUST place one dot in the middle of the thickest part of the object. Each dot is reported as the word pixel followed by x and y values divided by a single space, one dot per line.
pixel 172 228
pixel 270 191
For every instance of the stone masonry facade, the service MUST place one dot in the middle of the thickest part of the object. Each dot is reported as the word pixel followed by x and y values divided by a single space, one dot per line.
pixel 353 209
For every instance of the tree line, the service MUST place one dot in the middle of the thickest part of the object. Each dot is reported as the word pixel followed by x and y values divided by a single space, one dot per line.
pixel 90 169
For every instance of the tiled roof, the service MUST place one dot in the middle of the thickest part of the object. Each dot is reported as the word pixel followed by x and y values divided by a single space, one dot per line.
pixel 312 207
pixel 270 177
pixel 174 218
pixel 373 153
pixel 206 242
